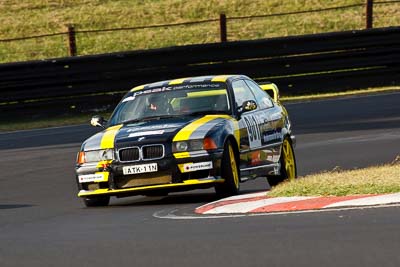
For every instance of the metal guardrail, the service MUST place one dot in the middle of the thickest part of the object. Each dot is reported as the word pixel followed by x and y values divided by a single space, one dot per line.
pixel 298 65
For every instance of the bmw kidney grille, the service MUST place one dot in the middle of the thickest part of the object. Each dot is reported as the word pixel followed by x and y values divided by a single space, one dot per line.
pixel 148 152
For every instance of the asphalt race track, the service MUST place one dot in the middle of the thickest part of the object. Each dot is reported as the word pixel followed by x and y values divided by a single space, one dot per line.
pixel 43 223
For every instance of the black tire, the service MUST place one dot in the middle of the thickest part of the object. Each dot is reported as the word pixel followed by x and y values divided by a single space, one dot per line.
pixel 100 201
pixel 230 172
pixel 288 169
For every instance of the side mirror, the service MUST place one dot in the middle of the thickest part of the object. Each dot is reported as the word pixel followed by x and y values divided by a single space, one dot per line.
pixel 272 90
pixel 248 105
pixel 98 121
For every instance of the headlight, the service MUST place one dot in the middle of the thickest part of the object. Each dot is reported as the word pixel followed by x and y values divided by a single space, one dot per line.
pixel 192 145
pixel 196 145
pixel 99 155
pixel 181 146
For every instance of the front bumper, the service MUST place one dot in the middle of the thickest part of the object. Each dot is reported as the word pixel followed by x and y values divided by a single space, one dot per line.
pixel 170 177
pixel 174 187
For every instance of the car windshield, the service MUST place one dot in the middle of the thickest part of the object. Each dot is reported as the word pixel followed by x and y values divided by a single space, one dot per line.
pixel 172 101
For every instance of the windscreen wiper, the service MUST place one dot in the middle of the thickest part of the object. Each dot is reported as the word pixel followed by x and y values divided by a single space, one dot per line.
pixel 150 118
pixel 206 112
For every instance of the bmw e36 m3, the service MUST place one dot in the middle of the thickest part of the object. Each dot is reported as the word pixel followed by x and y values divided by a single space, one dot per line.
pixel 190 133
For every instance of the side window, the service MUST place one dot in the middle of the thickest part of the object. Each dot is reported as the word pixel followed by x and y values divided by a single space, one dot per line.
pixel 263 99
pixel 242 92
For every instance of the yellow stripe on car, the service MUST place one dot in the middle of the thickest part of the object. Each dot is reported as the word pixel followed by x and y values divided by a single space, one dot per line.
pixel 137 88
pixel 177 81
pixel 220 78
pixel 107 141
pixel 186 131
pixel 206 93
pixel 181 155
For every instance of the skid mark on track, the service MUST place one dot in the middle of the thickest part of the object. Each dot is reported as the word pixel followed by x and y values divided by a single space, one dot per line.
pixel 14 206
pixel 171 214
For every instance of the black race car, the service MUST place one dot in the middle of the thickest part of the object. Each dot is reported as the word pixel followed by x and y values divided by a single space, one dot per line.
pixel 190 133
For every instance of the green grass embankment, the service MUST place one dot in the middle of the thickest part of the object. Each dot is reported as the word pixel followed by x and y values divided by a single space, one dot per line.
pixel 382 179
pixel 36 17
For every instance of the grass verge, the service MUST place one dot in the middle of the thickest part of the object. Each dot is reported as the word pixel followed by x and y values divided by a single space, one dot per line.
pixel 372 180
pixel 36 17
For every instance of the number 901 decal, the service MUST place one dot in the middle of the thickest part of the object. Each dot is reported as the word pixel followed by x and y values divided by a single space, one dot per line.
pixel 253 130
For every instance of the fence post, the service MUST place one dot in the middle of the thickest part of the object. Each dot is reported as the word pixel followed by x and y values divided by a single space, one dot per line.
pixel 369 14
pixel 222 27
pixel 71 40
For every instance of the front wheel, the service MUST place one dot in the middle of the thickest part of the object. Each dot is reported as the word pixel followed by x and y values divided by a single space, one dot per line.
pixel 230 172
pixel 288 169
pixel 100 201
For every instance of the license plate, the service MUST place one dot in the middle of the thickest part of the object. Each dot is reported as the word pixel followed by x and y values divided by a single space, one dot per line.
pixel 143 168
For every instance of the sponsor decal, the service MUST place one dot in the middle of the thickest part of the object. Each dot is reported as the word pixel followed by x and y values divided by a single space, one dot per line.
pixel 166 127
pixel 253 130
pixel 91 178
pixel 146 133
pixel 191 167
pixel 273 136
pixel 176 87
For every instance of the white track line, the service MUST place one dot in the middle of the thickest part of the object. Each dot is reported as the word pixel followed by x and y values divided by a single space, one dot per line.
pixel 244 196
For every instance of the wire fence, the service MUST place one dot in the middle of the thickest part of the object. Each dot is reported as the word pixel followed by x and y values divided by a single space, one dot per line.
pixel 222 29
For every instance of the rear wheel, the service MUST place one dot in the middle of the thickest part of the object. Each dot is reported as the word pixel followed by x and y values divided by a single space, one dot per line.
pixel 288 169
pixel 99 201
pixel 230 172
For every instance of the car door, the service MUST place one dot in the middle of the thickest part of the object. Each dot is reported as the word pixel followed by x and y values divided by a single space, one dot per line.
pixel 250 124
pixel 271 125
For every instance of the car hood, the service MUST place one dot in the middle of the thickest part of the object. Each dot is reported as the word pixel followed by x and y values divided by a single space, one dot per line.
pixel 152 132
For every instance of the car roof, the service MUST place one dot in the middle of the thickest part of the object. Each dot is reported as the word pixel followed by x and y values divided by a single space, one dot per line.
pixel 189 80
